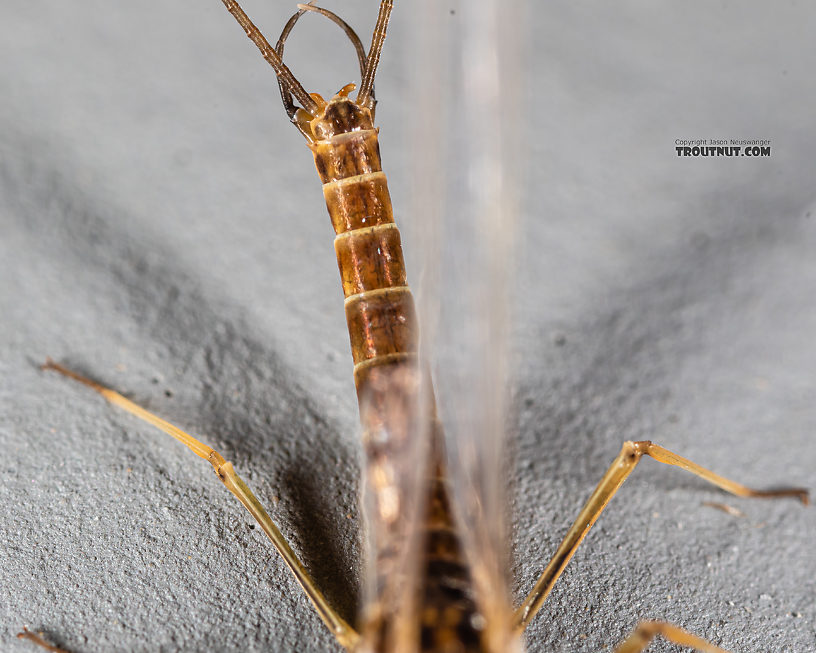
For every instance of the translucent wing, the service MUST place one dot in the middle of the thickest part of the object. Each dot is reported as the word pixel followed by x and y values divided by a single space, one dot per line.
pixel 395 438
pixel 466 146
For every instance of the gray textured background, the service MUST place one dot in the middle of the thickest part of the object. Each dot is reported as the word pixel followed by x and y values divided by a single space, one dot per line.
pixel 162 228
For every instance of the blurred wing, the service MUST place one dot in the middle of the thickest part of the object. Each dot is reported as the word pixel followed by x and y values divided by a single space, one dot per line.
pixel 466 90
pixel 395 438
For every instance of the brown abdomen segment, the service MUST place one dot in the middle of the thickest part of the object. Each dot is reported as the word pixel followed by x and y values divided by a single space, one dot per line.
pixel 380 310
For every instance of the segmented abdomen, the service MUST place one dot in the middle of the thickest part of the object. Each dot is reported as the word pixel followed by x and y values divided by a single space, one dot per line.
pixel 383 330
pixel 379 307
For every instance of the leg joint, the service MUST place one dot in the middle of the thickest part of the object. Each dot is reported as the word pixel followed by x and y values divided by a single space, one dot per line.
pixel 632 451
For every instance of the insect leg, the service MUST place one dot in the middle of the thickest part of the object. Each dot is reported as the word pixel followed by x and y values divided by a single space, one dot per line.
pixel 617 473
pixel 37 639
pixel 646 631
pixel 344 633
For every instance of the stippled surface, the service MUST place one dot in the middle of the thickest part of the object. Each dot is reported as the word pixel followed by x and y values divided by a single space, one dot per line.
pixel 158 217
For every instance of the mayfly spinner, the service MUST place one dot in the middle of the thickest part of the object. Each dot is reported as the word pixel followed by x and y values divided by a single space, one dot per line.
pixel 428 593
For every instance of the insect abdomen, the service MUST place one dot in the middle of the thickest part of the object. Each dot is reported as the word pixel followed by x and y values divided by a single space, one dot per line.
pixel 380 309
pixel 383 330
pixel 449 619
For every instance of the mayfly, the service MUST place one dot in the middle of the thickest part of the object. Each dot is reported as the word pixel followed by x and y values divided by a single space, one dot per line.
pixel 436 587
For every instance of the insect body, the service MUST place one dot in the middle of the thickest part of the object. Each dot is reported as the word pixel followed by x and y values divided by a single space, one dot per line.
pixel 384 336
pixel 427 594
